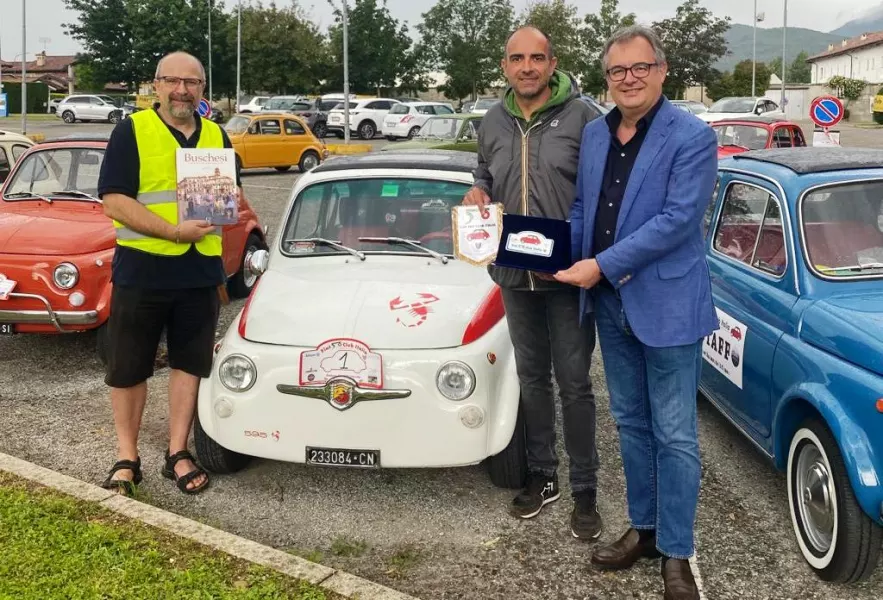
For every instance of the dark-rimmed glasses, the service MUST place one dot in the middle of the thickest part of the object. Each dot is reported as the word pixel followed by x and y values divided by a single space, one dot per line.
pixel 639 70
pixel 174 81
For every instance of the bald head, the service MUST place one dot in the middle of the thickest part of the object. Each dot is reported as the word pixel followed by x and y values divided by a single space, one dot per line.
pixel 531 35
pixel 177 61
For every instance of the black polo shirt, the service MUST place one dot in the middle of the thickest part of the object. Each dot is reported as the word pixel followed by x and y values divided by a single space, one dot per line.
pixel 120 174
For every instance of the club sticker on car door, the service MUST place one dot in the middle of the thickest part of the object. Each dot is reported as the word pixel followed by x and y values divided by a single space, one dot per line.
pixel 725 348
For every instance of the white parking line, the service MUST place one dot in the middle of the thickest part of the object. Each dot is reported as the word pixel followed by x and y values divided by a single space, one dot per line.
pixel 265 187
pixel 694 565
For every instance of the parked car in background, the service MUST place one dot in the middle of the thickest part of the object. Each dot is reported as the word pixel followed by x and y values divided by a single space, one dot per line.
pixel 738 107
pixel 366 117
pixel 88 107
pixel 483 104
pixel 366 344
pixel 57 245
pixel 599 109
pixel 12 146
pixel 458 131
pixel 274 140
pixel 404 120
pixel 251 104
pixel 690 106
pixel 756 133
pixel 794 244
pixel 314 112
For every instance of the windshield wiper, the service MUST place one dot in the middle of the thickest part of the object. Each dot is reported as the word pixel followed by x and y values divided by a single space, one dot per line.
pixel 76 194
pixel 24 195
pixel 407 242
pixel 870 265
pixel 332 243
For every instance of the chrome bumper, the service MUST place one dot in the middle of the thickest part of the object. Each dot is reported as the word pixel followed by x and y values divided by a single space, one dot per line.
pixel 56 318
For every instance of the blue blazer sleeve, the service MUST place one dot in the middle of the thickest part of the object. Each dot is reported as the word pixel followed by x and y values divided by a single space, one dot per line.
pixel 693 173
pixel 577 217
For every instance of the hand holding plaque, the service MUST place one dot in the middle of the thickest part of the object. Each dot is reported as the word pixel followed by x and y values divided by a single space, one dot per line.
pixel 477 235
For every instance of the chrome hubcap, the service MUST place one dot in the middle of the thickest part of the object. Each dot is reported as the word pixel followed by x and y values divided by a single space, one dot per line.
pixel 249 277
pixel 309 162
pixel 816 503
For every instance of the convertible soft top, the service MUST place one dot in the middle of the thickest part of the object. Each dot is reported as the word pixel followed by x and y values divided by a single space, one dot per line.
pixel 817 159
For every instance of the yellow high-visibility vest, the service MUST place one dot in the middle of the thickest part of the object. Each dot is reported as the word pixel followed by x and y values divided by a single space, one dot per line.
pixel 157 190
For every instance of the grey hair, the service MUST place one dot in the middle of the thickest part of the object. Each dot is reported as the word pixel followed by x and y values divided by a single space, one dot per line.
pixel 180 53
pixel 626 34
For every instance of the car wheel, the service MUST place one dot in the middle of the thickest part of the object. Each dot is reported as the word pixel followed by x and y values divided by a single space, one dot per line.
pixel 282 169
pixel 238 163
pixel 241 284
pixel 367 130
pixel 835 536
pixel 101 343
pixel 114 117
pixel 309 160
pixel 320 130
pixel 214 456
pixel 413 132
pixel 68 116
pixel 508 469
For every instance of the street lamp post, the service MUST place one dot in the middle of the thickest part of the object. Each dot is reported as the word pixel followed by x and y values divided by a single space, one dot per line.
pixel 210 53
pixel 346 78
pixel 238 57
pixel 784 34
pixel 757 19
pixel 24 72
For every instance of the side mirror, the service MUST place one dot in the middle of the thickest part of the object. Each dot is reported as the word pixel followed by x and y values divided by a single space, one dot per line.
pixel 257 262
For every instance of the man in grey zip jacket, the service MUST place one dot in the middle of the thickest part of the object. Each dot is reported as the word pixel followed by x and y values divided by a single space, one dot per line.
pixel 528 152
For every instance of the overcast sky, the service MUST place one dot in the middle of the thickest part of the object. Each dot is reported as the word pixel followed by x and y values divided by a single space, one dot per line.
pixel 46 17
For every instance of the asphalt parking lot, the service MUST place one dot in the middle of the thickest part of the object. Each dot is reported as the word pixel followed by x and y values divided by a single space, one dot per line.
pixel 439 534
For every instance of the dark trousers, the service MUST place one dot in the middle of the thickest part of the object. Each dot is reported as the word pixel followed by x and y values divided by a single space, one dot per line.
pixel 545 331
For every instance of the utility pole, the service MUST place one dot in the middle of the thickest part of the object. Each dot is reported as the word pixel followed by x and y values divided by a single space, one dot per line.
pixel 346 79
pixel 754 52
pixel 24 71
pixel 238 58
pixel 784 34
pixel 210 96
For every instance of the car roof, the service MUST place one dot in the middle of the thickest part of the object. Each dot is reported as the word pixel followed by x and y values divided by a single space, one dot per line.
pixel 762 120
pixel 76 138
pixel 15 137
pixel 814 159
pixel 417 159
pixel 458 116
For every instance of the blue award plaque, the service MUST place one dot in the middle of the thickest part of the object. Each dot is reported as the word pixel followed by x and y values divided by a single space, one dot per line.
pixel 534 244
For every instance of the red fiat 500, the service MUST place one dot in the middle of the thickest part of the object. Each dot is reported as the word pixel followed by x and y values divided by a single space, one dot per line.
pixel 56 244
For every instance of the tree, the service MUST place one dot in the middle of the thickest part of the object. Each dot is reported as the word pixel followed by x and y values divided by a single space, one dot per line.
pixel 800 71
pixel 559 21
pixel 105 33
pixel 86 77
pixel 741 79
pixel 466 39
pixel 376 47
pixel 693 41
pixel 596 31
pixel 719 85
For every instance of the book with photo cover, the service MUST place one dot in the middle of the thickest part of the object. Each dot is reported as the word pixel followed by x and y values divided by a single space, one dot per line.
pixel 207 188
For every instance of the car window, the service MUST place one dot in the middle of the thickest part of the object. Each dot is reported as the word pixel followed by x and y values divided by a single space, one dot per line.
pixel 415 209
pixel 426 110
pixel 769 256
pixel 739 222
pixel 748 137
pixel 443 110
pixel 17 151
pixel 781 138
pixel 709 211
pixel 293 128
pixel 269 127
pixel 55 170
pixel 843 230
pixel 400 109
pixel 4 159
pixel 799 140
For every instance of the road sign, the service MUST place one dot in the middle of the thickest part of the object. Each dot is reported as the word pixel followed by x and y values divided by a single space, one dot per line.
pixel 826 111
pixel 204 108
pixel 4 109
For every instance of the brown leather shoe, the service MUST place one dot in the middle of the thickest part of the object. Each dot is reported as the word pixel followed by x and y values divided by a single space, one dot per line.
pixel 678 579
pixel 625 551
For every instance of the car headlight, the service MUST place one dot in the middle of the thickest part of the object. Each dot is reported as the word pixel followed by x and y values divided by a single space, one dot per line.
pixel 237 373
pixel 455 380
pixel 66 276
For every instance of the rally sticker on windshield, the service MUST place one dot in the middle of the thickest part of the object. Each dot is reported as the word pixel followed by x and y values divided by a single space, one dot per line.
pixel 725 348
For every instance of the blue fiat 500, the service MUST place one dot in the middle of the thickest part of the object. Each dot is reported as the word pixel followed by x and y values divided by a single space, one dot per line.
pixel 795 249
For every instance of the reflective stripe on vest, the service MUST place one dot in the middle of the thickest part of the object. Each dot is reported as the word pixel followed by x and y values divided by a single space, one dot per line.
pixel 157 190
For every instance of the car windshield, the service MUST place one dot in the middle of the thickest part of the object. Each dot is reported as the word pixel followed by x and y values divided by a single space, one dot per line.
pixel 49 172
pixel 842 227
pixel 440 128
pixel 399 109
pixel 280 103
pixel 743 136
pixel 342 211
pixel 733 105
pixel 485 103
pixel 237 125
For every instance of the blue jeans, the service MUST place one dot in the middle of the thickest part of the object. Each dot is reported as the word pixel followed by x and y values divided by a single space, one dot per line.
pixel 653 400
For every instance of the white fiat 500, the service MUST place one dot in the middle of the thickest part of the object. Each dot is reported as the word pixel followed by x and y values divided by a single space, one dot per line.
pixel 365 343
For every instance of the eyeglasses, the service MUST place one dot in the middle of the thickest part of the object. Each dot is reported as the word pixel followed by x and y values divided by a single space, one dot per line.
pixel 639 70
pixel 174 81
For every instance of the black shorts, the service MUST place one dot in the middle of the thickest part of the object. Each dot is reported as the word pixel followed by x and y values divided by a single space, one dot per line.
pixel 137 319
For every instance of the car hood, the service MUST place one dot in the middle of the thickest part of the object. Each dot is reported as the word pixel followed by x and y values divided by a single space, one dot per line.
pixel 850 327
pixel 386 302
pixel 55 230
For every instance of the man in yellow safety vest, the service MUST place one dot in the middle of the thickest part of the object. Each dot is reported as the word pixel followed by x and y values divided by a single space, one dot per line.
pixel 166 274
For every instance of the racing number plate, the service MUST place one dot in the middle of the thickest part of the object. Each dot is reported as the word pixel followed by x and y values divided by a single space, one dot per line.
pixel 343 457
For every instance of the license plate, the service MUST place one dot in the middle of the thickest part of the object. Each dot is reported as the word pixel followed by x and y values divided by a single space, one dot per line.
pixel 343 457
pixel 7 328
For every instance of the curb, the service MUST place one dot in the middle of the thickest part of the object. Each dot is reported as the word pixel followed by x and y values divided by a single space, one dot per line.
pixel 332 580
pixel 349 148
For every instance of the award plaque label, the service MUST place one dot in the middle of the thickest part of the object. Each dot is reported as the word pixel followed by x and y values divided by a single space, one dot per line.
pixel 477 238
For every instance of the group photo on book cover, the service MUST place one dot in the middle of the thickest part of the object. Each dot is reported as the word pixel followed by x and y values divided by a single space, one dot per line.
pixel 207 185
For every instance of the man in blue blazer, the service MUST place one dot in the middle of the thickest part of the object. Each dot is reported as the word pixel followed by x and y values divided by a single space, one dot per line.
pixel 646 175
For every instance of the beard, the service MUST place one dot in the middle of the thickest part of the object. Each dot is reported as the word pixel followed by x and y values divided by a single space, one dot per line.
pixel 178 110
